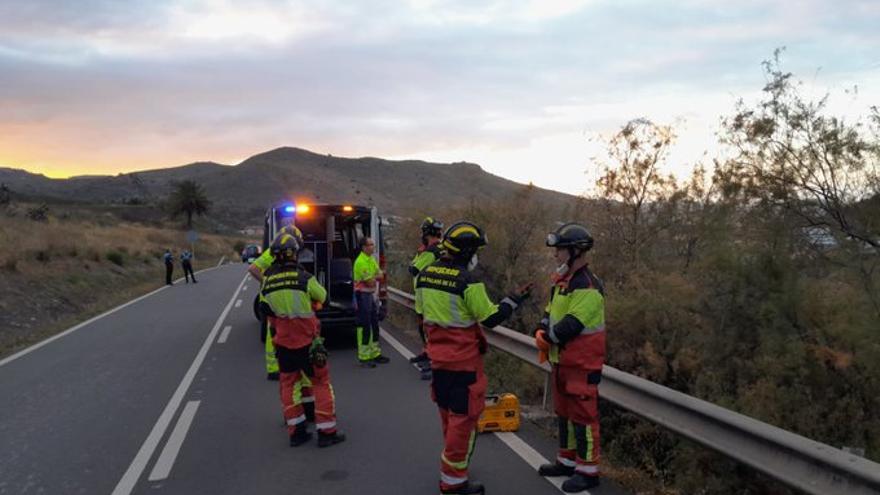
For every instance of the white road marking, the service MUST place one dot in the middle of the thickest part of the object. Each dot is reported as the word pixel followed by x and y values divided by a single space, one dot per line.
pixel 525 451
pixel 163 466
pixel 238 303
pixel 532 457
pixel 244 288
pixel 134 471
pixel 396 344
pixel 224 335
pixel 70 330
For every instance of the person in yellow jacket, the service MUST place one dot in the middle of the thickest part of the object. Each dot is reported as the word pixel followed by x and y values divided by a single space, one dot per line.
pixel 290 294
pixel 256 270
pixel 367 275
pixel 429 252
pixel 572 336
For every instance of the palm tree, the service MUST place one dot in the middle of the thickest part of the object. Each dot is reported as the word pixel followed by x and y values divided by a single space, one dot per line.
pixel 188 197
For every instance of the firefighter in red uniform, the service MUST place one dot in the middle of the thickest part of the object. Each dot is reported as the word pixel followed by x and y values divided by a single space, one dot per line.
pixel 429 252
pixel 572 335
pixel 289 296
pixel 454 304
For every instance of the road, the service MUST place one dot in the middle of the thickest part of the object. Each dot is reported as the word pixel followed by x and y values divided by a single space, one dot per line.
pixel 167 395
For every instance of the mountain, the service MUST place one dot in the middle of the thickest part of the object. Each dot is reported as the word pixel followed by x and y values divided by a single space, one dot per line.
pixel 241 193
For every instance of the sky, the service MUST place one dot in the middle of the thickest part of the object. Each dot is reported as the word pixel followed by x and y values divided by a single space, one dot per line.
pixel 521 87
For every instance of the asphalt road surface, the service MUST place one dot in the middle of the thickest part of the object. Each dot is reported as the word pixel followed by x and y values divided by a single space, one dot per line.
pixel 167 395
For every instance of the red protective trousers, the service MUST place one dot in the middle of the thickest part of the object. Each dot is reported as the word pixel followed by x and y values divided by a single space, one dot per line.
pixel 460 395
pixel 292 397
pixel 575 400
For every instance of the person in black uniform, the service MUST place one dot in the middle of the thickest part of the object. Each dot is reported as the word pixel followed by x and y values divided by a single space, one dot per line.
pixel 186 262
pixel 169 266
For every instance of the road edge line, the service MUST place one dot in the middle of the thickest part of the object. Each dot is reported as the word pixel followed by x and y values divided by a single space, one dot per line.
pixel 47 340
pixel 136 468
pixel 519 446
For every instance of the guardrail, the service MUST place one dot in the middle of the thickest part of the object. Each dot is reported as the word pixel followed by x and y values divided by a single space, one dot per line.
pixel 796 461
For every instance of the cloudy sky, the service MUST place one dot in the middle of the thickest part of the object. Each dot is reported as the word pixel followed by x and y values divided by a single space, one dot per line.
pixel 520 86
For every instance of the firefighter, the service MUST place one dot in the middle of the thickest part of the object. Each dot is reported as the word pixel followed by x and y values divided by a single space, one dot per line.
pixel 572 335
pixel 429 252
pixel 454 304
pixel 366 292
pixel 289 293
pixel 256 270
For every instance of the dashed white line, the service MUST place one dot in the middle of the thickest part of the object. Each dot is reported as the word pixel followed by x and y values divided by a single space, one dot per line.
pixel 244 288
pixel 163 466
pixel 224 334
pixel 238 303
pixel 134 471
pixel 525 451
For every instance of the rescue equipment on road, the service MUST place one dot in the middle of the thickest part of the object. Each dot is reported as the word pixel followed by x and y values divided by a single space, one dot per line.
pixel 501 414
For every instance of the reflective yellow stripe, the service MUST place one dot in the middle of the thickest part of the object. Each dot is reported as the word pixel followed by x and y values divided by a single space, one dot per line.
pixel 455 465
pixel 589 432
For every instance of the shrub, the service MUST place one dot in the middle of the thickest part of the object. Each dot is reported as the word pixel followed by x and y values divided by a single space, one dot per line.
pixel 115 257
pixel 39 213
pixel 10 265
pixel 42 256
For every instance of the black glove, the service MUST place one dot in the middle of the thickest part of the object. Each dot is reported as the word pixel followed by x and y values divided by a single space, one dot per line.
pixel 544 324
pixel 383 311
pixel 522 293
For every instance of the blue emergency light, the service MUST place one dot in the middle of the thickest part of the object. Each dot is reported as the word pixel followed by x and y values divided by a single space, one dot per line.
pixel 289 209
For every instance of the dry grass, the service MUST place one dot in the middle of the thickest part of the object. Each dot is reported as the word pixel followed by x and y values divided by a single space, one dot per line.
pixel 55 273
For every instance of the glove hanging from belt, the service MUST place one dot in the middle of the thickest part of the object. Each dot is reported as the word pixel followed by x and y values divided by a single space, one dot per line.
pixel 318 353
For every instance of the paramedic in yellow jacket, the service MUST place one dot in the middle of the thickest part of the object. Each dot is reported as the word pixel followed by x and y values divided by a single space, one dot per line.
pixel 367 275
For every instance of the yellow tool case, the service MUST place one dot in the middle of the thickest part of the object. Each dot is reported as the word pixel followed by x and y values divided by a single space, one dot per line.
pixel 501 414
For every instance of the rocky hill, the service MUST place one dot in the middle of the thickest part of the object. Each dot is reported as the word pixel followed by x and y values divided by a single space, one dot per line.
pixel 241 193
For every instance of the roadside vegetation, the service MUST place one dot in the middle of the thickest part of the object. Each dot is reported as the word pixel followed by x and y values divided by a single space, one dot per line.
pixel 752 284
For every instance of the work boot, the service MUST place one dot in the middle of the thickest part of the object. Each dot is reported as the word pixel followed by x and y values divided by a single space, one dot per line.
pixel 579 482
pixel 381 359
pixel 421 357
pixel 368 364
pixel 466 488
pixel 300 436
pixel 555 469
pixel 273 376
pixel 328 439
pixel 310 411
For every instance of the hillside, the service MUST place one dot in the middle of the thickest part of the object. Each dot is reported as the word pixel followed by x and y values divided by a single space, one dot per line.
pixel 242 192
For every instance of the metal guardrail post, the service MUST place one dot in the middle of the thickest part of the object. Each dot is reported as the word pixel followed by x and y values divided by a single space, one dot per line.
pixel 796 461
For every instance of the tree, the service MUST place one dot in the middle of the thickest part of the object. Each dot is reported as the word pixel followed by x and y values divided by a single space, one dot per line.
pixel 632 186
pixel 5 195
pixel 188 198
pixel 792 156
